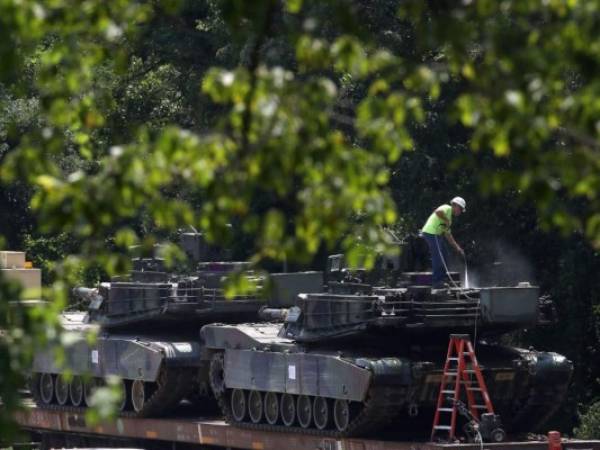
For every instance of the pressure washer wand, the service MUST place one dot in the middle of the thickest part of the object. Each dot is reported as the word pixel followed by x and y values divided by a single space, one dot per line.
pixel 466 271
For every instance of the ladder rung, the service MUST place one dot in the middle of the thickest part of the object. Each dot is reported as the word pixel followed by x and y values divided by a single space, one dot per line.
pixel 457 372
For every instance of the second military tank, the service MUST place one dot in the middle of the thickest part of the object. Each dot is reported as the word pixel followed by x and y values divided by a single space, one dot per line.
pixel 147 332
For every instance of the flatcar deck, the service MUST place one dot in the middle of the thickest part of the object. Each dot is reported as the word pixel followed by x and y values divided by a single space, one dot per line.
pixel 216 433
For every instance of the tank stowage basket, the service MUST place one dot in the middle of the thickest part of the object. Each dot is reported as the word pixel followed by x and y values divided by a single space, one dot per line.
pixel 285 287
pixel 328 312
pixel 510 305
pixel 131 298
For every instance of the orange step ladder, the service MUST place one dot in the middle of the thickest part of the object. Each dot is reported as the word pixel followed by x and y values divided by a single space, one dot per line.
pixel 461 370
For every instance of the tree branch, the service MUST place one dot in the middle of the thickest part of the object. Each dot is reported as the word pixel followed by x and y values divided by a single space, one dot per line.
pixel 581 137
pixel 252 68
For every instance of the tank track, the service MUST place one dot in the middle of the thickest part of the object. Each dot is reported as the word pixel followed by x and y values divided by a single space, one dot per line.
pixel 173 386
pixel 535 410
pixel 547 387
pixel 382 405
pixel 201 398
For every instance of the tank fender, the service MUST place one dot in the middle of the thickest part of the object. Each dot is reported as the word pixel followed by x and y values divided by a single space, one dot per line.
pixel 128 358
pixel 77 359
pixel 296 373
pixel 219 336
pixel 181 353
pixel 242 336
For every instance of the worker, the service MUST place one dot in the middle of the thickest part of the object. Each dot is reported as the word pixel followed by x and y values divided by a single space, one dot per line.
pixel 438 224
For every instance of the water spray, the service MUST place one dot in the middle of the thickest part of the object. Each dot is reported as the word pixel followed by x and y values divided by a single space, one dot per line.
pixel 437 243
pixel 466 271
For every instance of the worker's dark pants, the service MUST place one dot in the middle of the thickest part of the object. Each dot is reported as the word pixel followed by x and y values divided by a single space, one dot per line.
pixel 437 250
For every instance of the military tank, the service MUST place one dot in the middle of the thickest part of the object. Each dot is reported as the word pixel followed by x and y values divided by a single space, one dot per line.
pixel 360 357
pixel 147 327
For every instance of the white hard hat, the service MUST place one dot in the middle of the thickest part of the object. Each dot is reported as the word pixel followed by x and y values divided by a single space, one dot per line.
pixel 460 202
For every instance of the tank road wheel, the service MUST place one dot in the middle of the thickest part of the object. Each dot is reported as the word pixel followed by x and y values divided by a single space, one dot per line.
pixel 138 395
pixel 238 405
pixel 321 413
pixel 271 408
pixel 124 396
pixel 341 414
pixel 216 374
pixel 304 408
pixel 288 410
pixel 47 388
pixel 76 391
pixel 255 406
pixel 61 389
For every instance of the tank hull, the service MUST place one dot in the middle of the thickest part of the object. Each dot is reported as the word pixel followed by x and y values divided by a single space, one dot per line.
pixel 376 386
pixel 160 368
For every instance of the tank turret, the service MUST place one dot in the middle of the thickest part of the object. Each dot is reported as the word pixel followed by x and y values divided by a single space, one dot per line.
pixel 413 311
pixel 151 296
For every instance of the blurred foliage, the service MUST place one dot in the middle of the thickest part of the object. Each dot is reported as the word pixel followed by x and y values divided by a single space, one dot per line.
pixel 590 423
pixel 23 329
pixel 286 127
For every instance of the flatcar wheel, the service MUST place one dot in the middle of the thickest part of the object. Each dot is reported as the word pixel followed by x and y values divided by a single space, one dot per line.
pixel 76 391
pixel 138 395
pixel 238 405
pixel 255 406
pixel 61 389
pixel 271 408
pixel 304 408
pixel 288 410
pixel 321 413
pixel 341 414
pixel 47 388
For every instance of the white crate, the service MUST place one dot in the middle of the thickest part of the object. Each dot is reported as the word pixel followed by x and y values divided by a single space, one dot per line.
pixel 12 260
